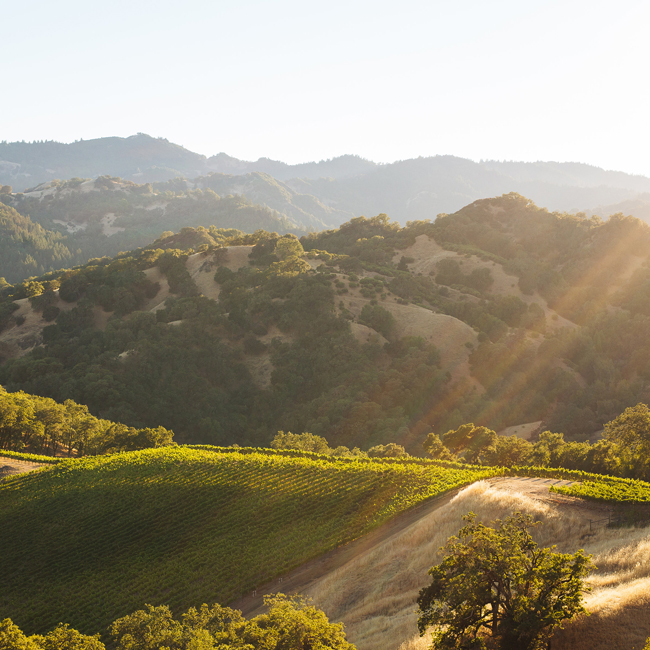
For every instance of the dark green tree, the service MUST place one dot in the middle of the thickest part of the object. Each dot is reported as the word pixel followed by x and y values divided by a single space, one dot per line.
pixel 630 435
pixel 471 442
pixel 496 589
pixel 391 450
pixel 434 448
pixel 380 319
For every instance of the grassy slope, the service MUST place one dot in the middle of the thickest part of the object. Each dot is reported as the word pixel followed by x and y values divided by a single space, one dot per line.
pixel 94 539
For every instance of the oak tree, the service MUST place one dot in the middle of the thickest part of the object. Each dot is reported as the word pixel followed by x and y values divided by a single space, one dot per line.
pixel 496 589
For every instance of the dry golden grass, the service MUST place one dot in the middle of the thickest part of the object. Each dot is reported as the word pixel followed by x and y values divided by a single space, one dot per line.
pixel 375 593
pixel 447 333
pixel 154 274
pixel 427 253
pixel 523 431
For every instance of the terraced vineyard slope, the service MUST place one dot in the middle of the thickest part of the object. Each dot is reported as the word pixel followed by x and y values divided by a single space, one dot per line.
pixel 95 539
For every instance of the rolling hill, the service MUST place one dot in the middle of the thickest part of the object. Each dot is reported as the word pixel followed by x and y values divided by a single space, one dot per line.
pixel 185 526
pixel 102 536
pixel 501 314
pixel 26 164
pixel 59 224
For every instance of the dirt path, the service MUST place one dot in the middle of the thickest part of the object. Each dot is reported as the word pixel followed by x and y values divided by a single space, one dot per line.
pixel 538 488
pixel 11 466
pixel 300 579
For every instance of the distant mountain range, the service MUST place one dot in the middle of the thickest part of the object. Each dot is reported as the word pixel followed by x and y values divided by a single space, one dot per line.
pixel 329 192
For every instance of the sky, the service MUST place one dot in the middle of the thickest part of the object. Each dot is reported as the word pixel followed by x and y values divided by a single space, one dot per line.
pixel 300 81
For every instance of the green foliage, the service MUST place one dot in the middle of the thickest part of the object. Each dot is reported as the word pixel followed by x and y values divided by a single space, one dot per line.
pixel 391 450
pixel 371 240
pixel 471 442
pixel 510 451
pixel 629 434
pixel 495 588
pixel 300 441
pixel 41 424
pixel 172 264
pixel 65 638
pixel 34 458
pixel 309 443
pixel 379 319
pixel 621 453
pixel 291 623
pixel 61 638
pixel 288 246
pixel 450 273
pixel 146 526
pixel 12 637
pixel 435 448
pixel 289 267
pixel 617 490
pixel 27 249
pixel 6 311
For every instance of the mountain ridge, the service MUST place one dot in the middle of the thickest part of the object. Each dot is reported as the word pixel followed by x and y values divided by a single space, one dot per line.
pixel 409 189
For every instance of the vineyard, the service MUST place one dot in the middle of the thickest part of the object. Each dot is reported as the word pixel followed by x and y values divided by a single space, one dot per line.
pixel 33 458
pixel 619 490
pixel 96 538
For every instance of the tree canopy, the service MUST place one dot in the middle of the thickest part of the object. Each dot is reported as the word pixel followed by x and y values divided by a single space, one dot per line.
pixel 496 589
pixel 291 623
pixel 630 435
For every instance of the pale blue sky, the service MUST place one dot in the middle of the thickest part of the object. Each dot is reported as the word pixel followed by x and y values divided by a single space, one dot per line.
pixel 298 81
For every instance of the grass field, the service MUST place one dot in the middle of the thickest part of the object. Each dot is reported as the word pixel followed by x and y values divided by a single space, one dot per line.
pixel 89 540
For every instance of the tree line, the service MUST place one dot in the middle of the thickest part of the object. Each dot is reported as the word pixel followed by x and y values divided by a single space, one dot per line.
pixel 624 449
pixel 42 426
pixel 292 622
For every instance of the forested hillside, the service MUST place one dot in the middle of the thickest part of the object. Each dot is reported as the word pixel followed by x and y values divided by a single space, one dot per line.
pixel 62 223
pixel 27 249
pixel 500 314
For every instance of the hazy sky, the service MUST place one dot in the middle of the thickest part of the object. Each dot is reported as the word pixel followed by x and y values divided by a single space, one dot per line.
pixel 299 80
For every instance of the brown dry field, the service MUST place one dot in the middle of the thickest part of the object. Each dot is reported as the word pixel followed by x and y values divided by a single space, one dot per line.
pixel 446 333
pixel 523 431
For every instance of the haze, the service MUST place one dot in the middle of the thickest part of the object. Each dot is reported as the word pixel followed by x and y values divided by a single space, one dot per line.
pixel 297 81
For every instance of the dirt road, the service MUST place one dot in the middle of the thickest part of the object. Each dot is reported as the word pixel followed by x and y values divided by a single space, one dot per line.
pixel 11 466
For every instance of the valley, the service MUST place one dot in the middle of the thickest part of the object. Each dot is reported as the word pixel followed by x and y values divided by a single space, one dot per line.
pixel 324 326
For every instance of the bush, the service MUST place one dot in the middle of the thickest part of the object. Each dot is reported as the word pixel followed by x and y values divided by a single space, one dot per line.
pixel 380 319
